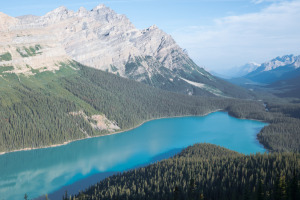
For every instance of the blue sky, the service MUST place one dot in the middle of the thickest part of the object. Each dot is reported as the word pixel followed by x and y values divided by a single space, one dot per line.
pixel 218 34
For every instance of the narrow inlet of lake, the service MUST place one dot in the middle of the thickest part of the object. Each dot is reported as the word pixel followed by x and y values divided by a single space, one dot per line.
pixel 75 166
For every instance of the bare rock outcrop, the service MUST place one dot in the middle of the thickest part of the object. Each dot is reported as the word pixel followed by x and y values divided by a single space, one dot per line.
pixel 105 40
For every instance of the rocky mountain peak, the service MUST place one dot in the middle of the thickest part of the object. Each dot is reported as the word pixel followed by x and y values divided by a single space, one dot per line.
pixel 103 14
pixel 6 21
pixel 61 9
pixel 153 27
pixel 57 15
pixel 103 10
pixel 249 67
pixel 29 46
pixel 82 11
pixel 277 69
pixel 253 63
pixel 3 15
pixel 108 41
pixel 286 60
pixel 100 7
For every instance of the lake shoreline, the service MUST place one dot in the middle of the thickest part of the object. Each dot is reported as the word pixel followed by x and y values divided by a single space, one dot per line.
pixel 80 164
pixel 122 131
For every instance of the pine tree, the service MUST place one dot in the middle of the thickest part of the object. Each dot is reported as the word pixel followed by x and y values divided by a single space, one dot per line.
pixel 176 193
pixel 192 187
pixel 282 188
pixel 260 194
pixel 246 195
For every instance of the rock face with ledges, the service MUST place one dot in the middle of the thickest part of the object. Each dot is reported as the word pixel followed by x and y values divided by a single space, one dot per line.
pixel 102 38
pixel 108 41
pixel 30 48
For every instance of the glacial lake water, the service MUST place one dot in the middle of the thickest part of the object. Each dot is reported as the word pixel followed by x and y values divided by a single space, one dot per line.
pixel 75 166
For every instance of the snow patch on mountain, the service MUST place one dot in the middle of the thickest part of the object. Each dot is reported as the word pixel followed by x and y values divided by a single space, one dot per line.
pixel 287 60
pixel 199 85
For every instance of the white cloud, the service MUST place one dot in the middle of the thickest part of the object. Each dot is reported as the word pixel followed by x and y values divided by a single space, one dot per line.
pixel 235 40
pixel 263 1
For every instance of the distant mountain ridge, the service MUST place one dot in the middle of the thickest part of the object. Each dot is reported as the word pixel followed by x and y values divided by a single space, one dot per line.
pixel 108 41
pixel 279 68
pixel 279 76
pixel 241 70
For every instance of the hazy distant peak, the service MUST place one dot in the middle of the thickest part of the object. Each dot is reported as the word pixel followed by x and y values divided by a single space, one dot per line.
pixel 253 63
pixel 241 70
pixel 286 60
pixel 280 68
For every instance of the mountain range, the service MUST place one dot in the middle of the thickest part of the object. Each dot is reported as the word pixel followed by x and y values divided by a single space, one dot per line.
pixel 239 71
pixel 69 75
pixel 65 76
pixel 104 40
pixel 279 76
pixel 279 68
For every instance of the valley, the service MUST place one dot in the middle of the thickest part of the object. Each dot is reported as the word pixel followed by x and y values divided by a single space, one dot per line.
pixel 191 175
pixel 81 163
pixel 76 88
pixel 82 92
pixel 122 102
pixel 112 101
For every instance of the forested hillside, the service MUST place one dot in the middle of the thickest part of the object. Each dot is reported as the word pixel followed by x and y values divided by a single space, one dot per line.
pixel 283 131
pixel 287 88
pixel 37 111
pixel 206 171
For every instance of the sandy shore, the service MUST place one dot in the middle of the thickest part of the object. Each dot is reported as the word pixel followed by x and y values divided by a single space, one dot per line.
pixel 69 141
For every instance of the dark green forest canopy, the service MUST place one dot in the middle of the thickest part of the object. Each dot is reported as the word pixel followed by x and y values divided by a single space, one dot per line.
pixel 206 171
pixel 35 110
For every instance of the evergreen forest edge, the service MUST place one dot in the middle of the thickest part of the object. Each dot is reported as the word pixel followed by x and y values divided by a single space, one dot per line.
pixel 35 110
pixel 205 171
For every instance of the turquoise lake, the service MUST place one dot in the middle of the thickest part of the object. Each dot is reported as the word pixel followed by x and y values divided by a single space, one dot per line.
pixel 75 166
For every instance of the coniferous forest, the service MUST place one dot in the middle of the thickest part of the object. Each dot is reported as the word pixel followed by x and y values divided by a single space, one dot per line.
pixel 206 171
pixel 35 110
